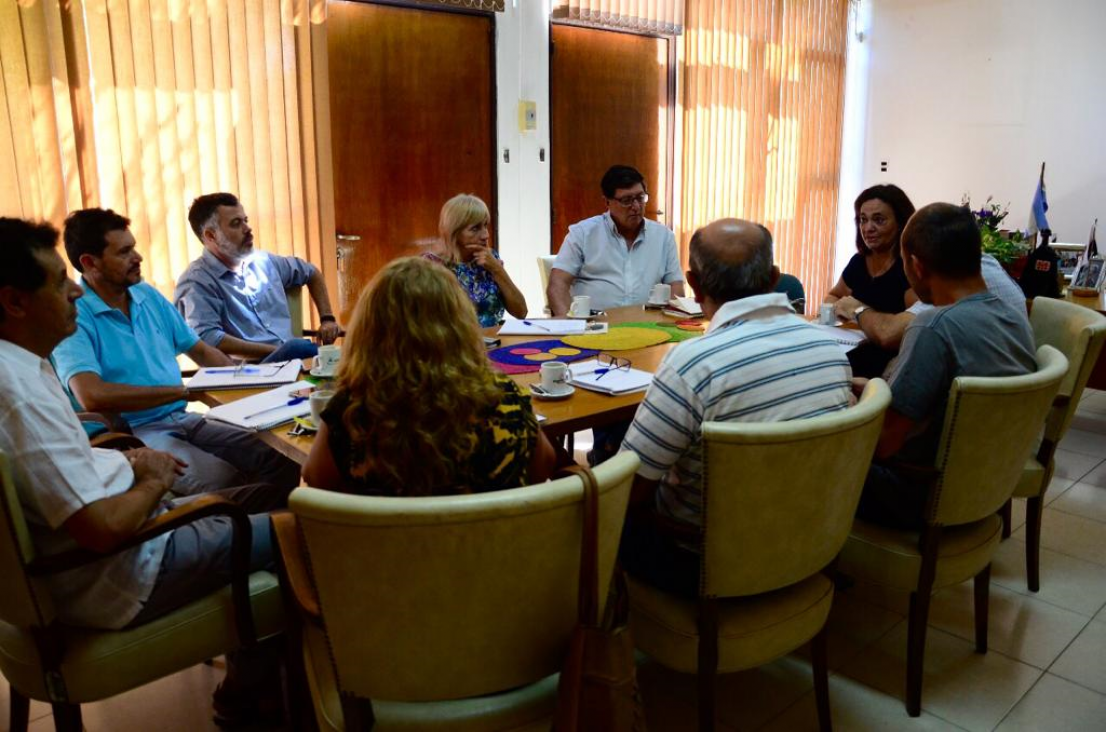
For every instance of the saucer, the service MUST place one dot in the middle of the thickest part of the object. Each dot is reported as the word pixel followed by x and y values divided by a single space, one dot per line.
pixel 320 374
pixel 305 424
pixel 657 303
pixel 552 397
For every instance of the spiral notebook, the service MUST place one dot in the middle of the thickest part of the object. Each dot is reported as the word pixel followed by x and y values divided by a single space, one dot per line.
pixel 265 410
pixel 249 376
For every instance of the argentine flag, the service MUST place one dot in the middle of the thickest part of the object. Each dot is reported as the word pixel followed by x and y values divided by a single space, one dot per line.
pixel 1038 221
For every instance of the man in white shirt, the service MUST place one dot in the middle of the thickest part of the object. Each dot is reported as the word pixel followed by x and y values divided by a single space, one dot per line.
pixel 74 495
pixel 615 258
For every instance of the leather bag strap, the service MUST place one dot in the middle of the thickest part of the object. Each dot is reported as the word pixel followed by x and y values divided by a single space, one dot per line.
pixel 588 607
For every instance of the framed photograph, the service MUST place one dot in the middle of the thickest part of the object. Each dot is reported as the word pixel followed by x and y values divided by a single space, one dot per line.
pixel 1088 276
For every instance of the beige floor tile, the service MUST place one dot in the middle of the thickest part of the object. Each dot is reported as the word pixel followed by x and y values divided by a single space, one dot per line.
pixel 1084 442
pixel 1021 627
pixel 1082 662
pixel 1057 705
pixel 853 626
pixel 1074 465
pixel 895 601
pixel 1083 499
pixel 857 708
pixel 1089 422
pixel 1096 476
pixel 1067 582
pixel 971 690
pixel 1072 535
pixel 669 698
pixel 38 709
pixel 179 703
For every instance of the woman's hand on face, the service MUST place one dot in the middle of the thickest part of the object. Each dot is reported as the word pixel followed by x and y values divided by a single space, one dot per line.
pixel 485 257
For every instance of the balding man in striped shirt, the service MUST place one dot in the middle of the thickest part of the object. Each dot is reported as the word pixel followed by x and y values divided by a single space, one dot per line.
pixel 758 362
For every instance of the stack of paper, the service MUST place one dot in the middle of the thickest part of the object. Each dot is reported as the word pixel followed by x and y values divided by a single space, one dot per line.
pixel 551 327
pixel 849 338
pixel 684 307
pixel 598 376
pixel 249 376
pixel 266 410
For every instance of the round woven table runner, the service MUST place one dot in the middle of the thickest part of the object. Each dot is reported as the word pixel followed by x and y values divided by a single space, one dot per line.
pixel 621 339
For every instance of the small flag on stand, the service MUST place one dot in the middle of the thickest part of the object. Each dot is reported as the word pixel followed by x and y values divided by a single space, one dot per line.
pixel 1038 221
pixel 1092 245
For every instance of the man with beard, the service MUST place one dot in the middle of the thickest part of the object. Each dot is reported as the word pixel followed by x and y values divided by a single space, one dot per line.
pixel 233 295
pixel 122 358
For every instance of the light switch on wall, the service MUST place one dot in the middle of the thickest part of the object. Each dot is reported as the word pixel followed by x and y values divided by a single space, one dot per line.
pixel 527 116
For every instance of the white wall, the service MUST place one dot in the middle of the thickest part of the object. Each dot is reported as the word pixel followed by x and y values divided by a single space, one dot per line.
pixel 522 73
pixel 970 96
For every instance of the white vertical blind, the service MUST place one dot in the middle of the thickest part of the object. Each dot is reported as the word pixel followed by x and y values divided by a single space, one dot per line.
pixel 643 16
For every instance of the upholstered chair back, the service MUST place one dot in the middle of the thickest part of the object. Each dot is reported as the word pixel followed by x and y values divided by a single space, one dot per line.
pixel 785 492
pixel 24 601
pixel 434 598
pixel 990 426
pixel 1078 333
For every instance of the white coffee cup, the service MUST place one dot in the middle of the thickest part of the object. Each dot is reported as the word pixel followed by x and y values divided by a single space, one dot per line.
pixel 581 307
pixel 319 400
pixel 555 376
pixel 328 358
pixel 826 314
pixel 661 294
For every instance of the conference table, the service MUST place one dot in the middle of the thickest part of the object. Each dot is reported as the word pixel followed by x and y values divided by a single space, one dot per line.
pixel 1097 379
pixel 583 410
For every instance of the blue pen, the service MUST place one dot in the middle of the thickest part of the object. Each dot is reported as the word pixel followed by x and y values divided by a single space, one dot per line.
pixel 246 370
pixel 290 403
pixel 535 325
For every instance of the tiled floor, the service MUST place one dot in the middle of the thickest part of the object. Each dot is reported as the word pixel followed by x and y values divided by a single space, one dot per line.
pixel 1046 668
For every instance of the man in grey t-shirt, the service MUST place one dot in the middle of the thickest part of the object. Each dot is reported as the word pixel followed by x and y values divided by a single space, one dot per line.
pixel 970 332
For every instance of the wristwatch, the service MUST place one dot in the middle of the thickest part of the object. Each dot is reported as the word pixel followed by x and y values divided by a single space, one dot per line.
pixel 327 319
pixel 857 312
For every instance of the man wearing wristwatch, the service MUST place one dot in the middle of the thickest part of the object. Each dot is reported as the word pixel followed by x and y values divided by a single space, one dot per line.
pixel 233 296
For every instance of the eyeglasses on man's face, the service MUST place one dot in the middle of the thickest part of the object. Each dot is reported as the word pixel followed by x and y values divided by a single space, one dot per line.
pixel 627 201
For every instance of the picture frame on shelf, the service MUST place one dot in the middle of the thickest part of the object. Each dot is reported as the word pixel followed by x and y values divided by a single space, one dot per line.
pixel 1088 276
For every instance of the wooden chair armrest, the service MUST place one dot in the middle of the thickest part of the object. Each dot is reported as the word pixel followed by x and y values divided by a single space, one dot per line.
pixel 202 507
pixel 293 561
pixel 116 441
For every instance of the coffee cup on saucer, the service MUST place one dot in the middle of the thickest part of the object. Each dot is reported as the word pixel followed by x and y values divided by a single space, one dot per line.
pixel 555 376
pixel 326 362
pixel 661 294
pixel 318 401
pixel 581 307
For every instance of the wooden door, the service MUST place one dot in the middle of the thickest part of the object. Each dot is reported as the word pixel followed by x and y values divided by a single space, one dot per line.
pixel 609 105
pixel 412 112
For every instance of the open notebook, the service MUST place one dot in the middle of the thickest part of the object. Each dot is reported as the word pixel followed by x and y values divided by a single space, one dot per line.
pixel 551 327
pixel 848 338
pixel 596 376
pixel 265 410
pixel 249 376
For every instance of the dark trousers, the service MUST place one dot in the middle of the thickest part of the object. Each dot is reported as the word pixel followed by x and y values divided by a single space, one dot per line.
pixel 892 499
pixel 657 559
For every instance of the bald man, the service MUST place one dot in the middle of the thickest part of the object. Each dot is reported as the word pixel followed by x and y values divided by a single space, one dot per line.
pixel 758 362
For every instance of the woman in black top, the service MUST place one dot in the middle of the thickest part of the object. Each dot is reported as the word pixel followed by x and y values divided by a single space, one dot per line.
pixel 874 278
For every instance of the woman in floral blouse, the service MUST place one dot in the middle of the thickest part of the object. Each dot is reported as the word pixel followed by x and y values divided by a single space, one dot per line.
pixel 463 250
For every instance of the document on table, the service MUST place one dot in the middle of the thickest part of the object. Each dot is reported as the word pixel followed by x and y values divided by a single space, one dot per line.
pixel 249 376
pixel 551 327
pixel 266 410
pixel 598 376
pixel 848 338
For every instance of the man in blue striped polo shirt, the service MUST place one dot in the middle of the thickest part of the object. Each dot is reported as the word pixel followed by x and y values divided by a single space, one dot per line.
pixel 758 362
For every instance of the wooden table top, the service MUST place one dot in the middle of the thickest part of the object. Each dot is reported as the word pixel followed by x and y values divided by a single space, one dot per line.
pixel 1094 302
pixel 583 410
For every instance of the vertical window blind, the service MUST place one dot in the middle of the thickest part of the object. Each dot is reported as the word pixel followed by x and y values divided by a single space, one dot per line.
pixel 642 16
pixel 141 106
pixel 763 102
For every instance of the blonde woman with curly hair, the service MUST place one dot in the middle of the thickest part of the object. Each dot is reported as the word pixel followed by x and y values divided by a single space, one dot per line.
pixel 418 409
pixel 463 249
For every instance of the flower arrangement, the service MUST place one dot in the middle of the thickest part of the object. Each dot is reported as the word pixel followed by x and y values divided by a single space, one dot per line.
pixel 1005 246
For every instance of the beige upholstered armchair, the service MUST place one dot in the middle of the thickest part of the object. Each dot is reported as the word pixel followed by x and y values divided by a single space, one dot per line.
pixel 449 612
pixel 1078 333
pixel 990 426
pixel 67 666
pixel 778 501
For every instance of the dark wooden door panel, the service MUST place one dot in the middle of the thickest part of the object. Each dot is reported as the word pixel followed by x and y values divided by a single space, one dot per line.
pixel 412 114
pixel 608 105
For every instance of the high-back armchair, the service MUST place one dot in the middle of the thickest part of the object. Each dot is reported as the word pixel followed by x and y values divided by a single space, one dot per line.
pixel 990 426
pixel 1078 333
pixel 444 612
pixel 778 501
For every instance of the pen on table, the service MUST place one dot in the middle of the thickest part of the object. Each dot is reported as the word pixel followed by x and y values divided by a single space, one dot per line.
pixel 536 325
pixel 235 370
pixel 290 403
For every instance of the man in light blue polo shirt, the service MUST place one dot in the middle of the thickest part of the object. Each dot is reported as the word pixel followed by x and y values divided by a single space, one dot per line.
pixel 615 258
pixel 233 296
pixel 123 359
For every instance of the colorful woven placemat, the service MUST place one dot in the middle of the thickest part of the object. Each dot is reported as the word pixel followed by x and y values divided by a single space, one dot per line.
pixel 526 358
pixel 621 339
pixel 678 331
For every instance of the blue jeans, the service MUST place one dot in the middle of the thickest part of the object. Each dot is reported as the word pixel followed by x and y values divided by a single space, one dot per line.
pixel 296 348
